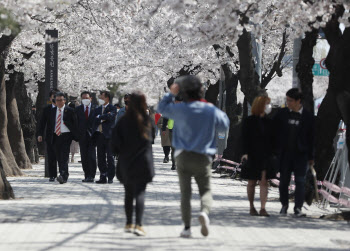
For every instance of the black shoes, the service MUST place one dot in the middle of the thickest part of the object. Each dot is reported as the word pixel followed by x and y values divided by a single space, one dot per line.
pixel 110 181
pixel 284 210
pixel 61 180
pixel 88 179
pixel 52 179
pixel 299 213
pixel 102 181
pixel 166 159
pixel 173 167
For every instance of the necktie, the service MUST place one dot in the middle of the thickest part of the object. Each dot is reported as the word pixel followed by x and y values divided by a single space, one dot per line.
pixel 100 127
pixel 87 113
pixel 58 123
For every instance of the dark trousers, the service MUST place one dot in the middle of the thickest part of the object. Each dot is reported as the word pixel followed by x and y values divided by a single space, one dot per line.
pixel 105 158
pixel 166 150
pixel 51 160
pixel 172 148
pixel 296 163
pixel 88 156
pixel 62 149
pixel 137 192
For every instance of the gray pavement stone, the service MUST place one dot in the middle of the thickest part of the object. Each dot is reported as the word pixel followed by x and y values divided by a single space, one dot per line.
pixel 79 216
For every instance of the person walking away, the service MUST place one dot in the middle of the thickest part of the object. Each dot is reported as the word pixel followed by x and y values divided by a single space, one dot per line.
pixel 132 140
pixel 157 116
pixel 165 139
pixel 295 128
pixel 104 117
pixel 258 141
pixel 122 110
pixel 65 131
pixel 85 115
pixel 194 143
pixel 46 130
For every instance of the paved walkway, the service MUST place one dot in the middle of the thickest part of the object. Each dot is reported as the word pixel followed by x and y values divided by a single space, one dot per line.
pixel 79 216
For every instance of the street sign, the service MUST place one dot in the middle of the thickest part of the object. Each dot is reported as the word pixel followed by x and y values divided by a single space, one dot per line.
pixel 319 69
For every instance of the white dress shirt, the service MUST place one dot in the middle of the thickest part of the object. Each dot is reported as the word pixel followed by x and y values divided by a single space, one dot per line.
pixel 64 128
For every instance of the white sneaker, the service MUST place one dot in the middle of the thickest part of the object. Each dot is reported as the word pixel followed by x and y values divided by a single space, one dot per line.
pixel 186 233
pixel 204 221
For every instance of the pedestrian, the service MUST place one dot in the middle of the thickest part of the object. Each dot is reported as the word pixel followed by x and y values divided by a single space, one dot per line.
pixel 258 144
pixel 85 115
pixel 46 129
pixel 167 131
pixel 295 134
pixel 66 129
pixel 194 142
pixel 132 141
pixel 104 117
pixel 157 116
pixel 122 111
pixel 165 139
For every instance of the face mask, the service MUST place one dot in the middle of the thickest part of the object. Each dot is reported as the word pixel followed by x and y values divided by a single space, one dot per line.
pixel 86 102
pixel 126 102
pixel 101 101
pixel 268 109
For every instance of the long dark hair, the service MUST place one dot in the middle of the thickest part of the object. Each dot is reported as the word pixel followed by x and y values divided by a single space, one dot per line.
pixel 137 111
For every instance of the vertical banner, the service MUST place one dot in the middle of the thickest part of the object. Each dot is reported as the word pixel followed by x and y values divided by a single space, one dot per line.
pixel 51 71
pixel 51 60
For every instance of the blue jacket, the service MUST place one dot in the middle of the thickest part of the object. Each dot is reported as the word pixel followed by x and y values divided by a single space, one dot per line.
pixel 196 124
pixel 106 119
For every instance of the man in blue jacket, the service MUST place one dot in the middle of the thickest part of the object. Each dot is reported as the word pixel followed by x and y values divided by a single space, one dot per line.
pixel 194 142
pixel 102 128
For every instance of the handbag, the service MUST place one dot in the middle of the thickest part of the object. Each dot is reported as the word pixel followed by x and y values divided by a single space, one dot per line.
pixel 244 169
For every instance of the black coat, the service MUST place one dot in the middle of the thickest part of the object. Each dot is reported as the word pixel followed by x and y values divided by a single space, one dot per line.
pixel 85 126
pixel 48 121
pixel 305 138
pixel 135 161
pixel 258 143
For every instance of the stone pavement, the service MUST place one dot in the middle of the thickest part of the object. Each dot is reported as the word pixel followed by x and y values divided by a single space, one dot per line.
pixel 79 216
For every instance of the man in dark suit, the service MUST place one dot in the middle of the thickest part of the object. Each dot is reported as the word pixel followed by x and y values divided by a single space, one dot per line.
pixel 103 123
pixel 295 128
pixel 63 120
pixel 46 130
pixel 85 115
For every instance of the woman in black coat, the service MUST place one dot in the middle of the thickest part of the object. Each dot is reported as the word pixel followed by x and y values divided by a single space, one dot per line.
pixel 132 141
pixel 257 147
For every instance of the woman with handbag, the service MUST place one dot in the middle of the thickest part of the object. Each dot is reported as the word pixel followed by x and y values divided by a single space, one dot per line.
pixel 257 147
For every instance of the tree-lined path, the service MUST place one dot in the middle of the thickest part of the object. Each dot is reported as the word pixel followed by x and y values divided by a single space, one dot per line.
pixel 80 216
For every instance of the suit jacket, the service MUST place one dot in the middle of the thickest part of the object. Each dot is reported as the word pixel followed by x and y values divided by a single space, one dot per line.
pixel 45 127
pixel 135 161
pixel 305 138
pixel 106 120
pixel 85 126
pixel 49 120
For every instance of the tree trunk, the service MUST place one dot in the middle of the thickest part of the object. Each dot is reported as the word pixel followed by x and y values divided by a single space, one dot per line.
pixel 6 191
pixel 7 159
pixel 248 77
pixel 232 150
pixel 14 129
pixel 304 68
pixel 211 95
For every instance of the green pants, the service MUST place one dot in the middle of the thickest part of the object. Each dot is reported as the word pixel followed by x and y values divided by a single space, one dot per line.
pixel 190 164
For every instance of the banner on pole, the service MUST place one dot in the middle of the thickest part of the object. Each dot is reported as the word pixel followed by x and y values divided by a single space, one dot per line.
pixel 51 60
